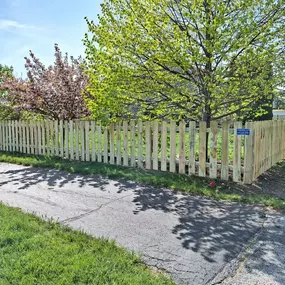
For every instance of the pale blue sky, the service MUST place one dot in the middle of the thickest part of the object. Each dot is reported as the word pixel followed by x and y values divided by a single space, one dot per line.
pixel 37 24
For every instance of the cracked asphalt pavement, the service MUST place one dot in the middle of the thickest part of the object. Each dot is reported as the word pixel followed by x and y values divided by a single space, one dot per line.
pixel 194 239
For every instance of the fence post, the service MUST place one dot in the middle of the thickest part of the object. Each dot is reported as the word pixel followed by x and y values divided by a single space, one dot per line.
pixel 256 143
pixel 237 153
pixel 248 154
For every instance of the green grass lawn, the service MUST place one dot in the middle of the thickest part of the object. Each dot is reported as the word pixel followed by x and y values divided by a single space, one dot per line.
pixel 33 251
pixel 188 184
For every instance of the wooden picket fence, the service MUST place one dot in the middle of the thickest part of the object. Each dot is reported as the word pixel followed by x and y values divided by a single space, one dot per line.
pixel 165 146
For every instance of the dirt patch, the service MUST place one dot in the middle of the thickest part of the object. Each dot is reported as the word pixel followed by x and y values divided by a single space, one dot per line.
pixel 271 183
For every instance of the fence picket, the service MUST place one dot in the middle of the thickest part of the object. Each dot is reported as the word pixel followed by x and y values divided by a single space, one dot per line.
pixel 172 164
pixel 16 136
pixel 43 127
pixel 9 136
pixel 225 151
pixel 106 145
pixel 267 137
pixel 182 154
pixel 273 141
pixel 118 144
pixel 50 138
pixel 39 138
pixel 140 144
pixel 71 133
pixel 93 146
pixel 87 140
pixel 82 140
pixel 192 153
pixel 262 154
pixel 257 145
pixel 1 136
pixel 56 139
pixel 112 143
pixel 12 136
pixel 202 149
pixel 214 131
pixel 155 145
pixel 148 140
pixel 133 143
pixel 5 132
pixel 36 142
pixel 66 139
pixel 28 137
pixel 61 143
pixel 99 135
pixel 248 154
pixel 5 136
pixel 52 151
pixel 164 146
pixel 126 144
pixel 237 153
pixel 22 137
pixel 76 139
pixel 47 138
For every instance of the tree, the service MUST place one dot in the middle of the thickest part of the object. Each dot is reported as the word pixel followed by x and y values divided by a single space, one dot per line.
pixel 5 71
pixel 262 108
pixel 6 110
pixel 182 58
pixel 55 92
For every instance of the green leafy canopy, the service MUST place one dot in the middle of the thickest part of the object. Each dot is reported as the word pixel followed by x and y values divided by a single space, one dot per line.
pixel 199 59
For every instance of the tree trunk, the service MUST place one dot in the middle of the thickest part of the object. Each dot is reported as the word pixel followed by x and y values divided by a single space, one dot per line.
pixel 207 119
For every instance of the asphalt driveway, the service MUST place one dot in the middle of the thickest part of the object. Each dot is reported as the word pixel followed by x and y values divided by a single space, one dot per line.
pixel 194 239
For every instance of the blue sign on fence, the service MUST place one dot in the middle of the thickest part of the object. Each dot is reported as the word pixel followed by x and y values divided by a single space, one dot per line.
pixel 243 132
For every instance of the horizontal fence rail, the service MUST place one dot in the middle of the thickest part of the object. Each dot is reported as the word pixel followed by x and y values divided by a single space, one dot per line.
pixel 158 145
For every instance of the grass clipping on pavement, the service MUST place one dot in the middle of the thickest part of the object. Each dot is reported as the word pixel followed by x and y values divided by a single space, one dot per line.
pixel 34 251
pixel 187 184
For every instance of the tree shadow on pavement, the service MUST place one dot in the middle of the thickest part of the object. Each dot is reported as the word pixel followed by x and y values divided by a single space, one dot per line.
pixel 267 255
pixel 215 229
pixel 26 177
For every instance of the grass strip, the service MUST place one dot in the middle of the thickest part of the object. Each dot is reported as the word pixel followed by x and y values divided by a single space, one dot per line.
pixel 188 184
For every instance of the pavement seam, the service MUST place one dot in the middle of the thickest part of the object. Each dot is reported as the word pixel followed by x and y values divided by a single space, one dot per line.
pixel 234 266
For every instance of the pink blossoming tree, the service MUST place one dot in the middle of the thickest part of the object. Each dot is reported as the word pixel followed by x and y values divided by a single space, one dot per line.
pixel 55 92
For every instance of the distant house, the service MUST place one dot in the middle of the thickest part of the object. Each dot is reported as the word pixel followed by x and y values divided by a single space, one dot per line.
pixel 279 114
